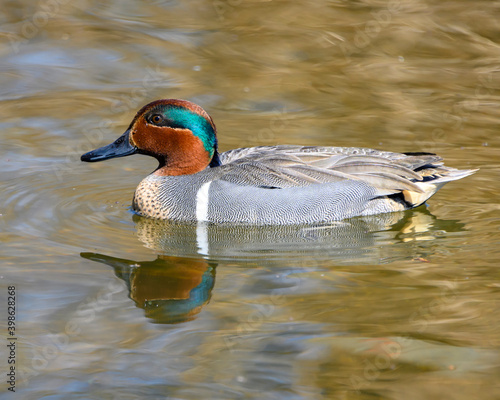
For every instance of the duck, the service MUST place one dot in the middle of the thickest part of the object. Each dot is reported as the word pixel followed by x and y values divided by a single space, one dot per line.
pixel 265 185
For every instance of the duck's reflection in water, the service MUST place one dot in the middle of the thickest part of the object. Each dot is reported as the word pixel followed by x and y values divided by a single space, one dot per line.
pixel 169 289
pixel 357 240
pixel 174 287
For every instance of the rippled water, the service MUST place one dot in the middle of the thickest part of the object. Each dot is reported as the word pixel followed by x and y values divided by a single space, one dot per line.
pixel 111 305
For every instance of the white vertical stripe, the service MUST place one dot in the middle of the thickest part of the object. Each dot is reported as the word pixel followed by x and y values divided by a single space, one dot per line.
pixel 202 202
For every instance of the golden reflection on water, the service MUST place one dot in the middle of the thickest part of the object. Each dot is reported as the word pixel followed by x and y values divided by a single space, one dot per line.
pixel 401 305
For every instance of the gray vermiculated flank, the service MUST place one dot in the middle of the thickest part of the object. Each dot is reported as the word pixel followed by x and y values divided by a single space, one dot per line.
pixel 308 204
pixel 229 202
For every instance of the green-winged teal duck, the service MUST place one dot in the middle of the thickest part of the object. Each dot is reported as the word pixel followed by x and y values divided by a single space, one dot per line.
pixel 267 184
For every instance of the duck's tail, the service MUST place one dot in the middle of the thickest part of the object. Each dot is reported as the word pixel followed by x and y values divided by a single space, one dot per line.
pixel 433 180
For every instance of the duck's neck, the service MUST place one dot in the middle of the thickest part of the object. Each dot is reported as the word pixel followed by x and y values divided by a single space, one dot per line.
pixel 215 160
pixel 186 161
pixel 180 167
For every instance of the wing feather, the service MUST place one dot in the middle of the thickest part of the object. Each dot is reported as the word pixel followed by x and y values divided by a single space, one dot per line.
pixel 295 166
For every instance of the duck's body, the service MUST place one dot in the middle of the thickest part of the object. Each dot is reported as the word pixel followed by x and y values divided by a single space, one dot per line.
pixel 269 184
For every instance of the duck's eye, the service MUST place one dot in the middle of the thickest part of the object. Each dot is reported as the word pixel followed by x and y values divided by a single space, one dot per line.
pixel 157 119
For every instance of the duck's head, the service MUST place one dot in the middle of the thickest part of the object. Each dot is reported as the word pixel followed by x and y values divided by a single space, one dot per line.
pixel 178 133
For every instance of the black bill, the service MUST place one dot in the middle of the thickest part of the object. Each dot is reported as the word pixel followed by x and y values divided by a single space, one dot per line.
pixel 121 147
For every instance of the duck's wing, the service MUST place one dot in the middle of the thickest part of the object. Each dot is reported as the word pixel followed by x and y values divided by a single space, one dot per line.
pixel 295 166
pixel 291 166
